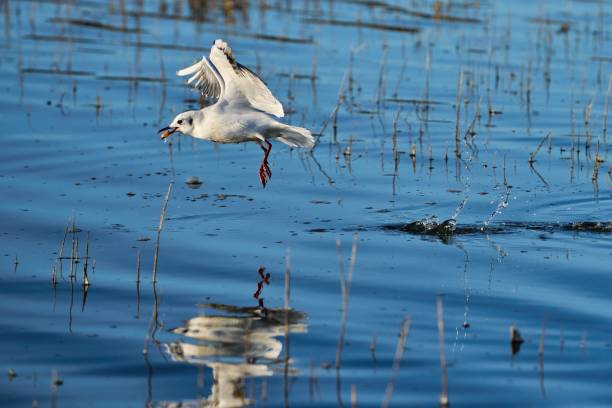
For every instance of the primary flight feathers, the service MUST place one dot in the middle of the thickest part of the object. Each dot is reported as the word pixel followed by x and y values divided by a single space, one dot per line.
pixel 220 76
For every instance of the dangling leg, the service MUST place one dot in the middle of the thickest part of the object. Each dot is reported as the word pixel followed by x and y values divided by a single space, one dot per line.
pixel 264 170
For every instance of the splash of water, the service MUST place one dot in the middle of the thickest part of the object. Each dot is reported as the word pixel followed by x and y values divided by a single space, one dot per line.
pixel 429 223
pixel 503 203
pixel 431 226
pixel 460 206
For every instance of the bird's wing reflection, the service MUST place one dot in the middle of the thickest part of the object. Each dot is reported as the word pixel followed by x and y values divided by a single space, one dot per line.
pixel 235 343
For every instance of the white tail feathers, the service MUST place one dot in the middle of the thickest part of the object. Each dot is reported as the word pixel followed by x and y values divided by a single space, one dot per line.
pixel 295 136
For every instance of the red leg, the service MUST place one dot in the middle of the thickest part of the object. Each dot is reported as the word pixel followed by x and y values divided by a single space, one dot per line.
pixel 264 170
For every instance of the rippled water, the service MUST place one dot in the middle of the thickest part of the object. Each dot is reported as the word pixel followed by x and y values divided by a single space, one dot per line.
pixel 85 85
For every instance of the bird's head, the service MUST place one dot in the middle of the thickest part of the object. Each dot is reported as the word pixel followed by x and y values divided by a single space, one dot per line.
pixel 183 122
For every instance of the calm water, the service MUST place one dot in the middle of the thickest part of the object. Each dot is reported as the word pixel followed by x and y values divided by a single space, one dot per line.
pixel 86 84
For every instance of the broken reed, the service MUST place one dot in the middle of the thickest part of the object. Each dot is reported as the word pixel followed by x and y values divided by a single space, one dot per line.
pixel 533 154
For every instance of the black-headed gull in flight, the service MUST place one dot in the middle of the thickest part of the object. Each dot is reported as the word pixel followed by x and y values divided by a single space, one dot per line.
pixel 245 110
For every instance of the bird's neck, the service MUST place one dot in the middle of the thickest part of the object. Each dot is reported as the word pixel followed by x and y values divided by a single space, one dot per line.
pixel 200 125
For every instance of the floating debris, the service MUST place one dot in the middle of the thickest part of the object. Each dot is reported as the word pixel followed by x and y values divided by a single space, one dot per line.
pixel 194 182
pixel 95 25
pixel 363 24
pixel 515 340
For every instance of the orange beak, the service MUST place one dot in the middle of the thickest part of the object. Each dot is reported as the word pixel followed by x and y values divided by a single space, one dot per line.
pixel 167 131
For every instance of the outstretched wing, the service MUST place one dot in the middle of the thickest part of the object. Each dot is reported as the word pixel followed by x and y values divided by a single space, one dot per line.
pixel 205 78
pixel 242 83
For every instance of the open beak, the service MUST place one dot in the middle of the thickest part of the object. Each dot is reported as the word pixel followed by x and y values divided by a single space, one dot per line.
pixel 167 131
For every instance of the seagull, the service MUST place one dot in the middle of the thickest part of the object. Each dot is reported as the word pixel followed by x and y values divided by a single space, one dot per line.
pixel 245 110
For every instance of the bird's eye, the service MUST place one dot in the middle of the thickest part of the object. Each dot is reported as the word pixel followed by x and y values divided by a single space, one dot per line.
pixel 180 122
pixel 190 121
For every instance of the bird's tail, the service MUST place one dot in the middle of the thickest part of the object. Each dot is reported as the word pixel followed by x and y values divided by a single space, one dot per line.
pixel 295 136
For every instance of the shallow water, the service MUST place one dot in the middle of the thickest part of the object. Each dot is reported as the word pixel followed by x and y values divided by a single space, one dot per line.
pixel 85 85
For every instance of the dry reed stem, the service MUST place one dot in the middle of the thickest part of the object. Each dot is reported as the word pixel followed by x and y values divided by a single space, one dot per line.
pixel 55 382
pixel 76 255
pixel 287 279
pixel 85 277
pixel 458 116
pixel 334 111
pixel 533 154
pixel 596 162
pixel 61 251
pixel 587 120
pixel 395 147
pixel 380 90
pixel 541 357
pixel 159 230
pixel 345 287
pixel 542 336
pixel 138 267
pixel 443 366
pixel 399 352
pixel 54 275
pixel 373 352
pixel 72 253
pixel 605 112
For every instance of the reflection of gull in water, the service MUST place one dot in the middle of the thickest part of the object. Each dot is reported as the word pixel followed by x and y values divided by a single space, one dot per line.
pixel 235 343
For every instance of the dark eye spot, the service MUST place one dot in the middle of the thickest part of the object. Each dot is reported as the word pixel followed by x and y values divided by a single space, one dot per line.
pixel 180 122
pixel 190 121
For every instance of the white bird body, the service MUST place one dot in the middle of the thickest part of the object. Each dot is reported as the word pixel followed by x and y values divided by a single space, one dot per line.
pixel 245 110
pixel 224 123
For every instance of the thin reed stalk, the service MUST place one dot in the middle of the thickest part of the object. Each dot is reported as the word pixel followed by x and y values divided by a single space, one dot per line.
pixel 54 275
pixel 61 251
pixel 605 112
pixel 587 120
pixel 443 365
pixel 138 267
pixel 345 287
pixel 541 357
pixel 533 154
pixel 159 230
pixel 85 277
pixel 399 352
pixel 287 279
pixel 458 116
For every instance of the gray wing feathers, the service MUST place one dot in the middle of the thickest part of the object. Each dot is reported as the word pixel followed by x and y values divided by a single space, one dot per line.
pixel 258 93
pixel 221 76
pixel 205 78
pixel 242 83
